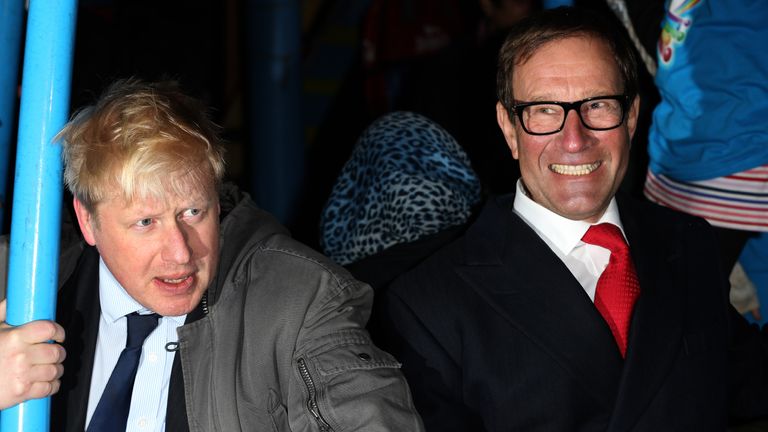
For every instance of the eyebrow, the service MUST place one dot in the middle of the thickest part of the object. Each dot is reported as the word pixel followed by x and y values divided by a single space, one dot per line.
pixel 550 98
pixel 146 210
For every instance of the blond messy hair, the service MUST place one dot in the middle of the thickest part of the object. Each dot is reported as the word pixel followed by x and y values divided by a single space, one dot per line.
pixel 140 140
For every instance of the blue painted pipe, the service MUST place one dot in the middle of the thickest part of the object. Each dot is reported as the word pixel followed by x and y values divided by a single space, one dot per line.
pixel 11 21
pixel 276 149
pixel 36 217
pixel 551 4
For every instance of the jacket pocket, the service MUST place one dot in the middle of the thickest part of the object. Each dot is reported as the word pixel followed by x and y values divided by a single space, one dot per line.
pixel 312 396
pixel 278 413
pixel 354 355
pixel 353 385
pixel 270 415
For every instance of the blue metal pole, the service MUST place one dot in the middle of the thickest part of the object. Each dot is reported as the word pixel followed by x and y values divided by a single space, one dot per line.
pixel 37 202
pixel 276 149
pixel 11 22
pixel 551 4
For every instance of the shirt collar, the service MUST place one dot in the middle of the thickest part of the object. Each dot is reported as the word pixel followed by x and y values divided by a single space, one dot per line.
pixel 563 233
pixel 120 302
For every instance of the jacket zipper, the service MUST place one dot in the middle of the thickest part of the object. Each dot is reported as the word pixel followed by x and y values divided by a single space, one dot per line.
pixel 311 400
pixel 205 303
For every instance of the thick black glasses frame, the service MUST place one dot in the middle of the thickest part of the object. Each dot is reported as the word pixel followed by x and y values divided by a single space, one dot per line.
pixel 567 107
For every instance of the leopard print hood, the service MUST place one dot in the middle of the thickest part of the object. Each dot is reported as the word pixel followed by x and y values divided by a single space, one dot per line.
pixel 406 178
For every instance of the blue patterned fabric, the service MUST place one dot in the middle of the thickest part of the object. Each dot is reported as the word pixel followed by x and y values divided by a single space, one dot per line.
pixel 711 120
pixel 406 178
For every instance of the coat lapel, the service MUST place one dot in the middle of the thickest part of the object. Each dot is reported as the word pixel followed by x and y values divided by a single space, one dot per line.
pixel 78 312
pixel 176 414
pixel 656 330
pixel 526 283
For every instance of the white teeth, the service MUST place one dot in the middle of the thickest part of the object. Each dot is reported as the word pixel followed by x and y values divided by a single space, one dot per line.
pixel 174 280
pixel 575 170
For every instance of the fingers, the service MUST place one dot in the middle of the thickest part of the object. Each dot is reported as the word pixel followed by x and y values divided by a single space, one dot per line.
pixel 23 378
pixel 45 373
pixel 34 331
pixel 42 389
pixel 45 353
pixel 30 366
pixel 41 331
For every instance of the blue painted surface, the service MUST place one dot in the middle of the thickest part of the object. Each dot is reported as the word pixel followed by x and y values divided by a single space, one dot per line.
pixel 327 61
pixel 550 4
pixel 754 260
pixel 275 163
pixel 36 217
pixel 11 25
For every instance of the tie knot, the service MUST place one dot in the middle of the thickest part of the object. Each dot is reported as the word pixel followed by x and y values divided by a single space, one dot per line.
pixel 139 327
pixel 606 235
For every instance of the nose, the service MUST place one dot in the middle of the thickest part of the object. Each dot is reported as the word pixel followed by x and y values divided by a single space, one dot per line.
pixel 176 248
pixel 575 136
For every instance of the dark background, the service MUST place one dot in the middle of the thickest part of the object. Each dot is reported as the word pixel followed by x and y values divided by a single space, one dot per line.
pixel 359 60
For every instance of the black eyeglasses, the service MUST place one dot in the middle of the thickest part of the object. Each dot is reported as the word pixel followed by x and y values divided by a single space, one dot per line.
pixel 596 113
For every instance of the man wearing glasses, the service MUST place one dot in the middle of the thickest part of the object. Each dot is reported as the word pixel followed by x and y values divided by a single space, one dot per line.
pixel 565 307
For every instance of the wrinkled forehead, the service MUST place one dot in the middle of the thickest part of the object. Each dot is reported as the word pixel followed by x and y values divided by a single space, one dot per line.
pixel 581 63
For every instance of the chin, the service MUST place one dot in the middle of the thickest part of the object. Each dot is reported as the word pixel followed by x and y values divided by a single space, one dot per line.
pixel 581 211
pixel 179 307
pixel 589 215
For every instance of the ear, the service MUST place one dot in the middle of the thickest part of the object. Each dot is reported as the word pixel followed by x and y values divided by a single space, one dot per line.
pixel 507 128
pixel 634 112
pixel 87 222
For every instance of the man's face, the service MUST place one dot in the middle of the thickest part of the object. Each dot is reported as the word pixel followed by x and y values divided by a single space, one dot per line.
pixel 163 253
pixel 574 172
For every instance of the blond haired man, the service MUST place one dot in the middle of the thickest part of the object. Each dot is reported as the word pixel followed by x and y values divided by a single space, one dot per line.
pixel 253 331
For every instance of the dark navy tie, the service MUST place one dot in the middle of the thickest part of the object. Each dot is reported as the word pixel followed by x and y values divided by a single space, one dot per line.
pixel 112 411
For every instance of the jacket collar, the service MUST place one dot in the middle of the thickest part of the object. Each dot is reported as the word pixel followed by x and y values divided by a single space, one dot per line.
pixel 242 223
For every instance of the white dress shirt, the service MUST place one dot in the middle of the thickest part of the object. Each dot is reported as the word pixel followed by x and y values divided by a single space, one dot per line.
pixel 149 399
pixel 563 236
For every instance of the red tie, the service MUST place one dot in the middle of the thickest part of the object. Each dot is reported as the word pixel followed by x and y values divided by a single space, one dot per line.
pixel 618 288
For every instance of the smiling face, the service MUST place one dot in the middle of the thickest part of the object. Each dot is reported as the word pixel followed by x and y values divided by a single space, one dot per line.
pixel 163 252
pixel 574 172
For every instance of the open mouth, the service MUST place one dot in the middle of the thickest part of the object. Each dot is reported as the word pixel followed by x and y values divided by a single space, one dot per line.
pixel 575 170
pixel 175 281
pixel 180 283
